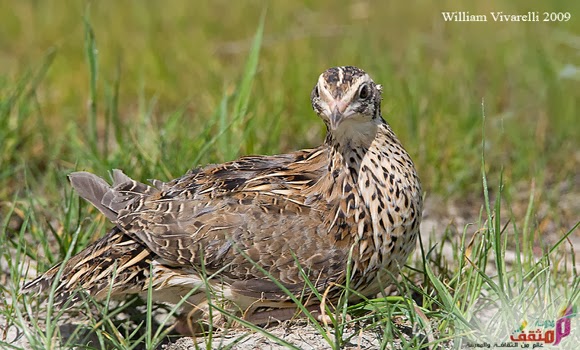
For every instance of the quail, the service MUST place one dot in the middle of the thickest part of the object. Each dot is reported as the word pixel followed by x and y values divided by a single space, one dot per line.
pixel 243 229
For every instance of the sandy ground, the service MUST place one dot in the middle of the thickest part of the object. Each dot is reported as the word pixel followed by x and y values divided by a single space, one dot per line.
pixel 300 334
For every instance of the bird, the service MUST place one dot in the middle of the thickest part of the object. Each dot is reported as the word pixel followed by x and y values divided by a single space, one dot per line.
pixel 260 232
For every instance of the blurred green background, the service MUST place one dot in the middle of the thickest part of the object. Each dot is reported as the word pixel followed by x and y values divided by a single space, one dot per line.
pixel 164 67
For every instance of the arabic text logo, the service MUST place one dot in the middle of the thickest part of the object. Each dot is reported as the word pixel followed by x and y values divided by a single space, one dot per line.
pixel 547 331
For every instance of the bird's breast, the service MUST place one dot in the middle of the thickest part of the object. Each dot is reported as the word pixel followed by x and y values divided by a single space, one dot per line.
pixel 387 212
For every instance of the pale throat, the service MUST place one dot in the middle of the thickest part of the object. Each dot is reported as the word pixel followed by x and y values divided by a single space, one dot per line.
pixel 353 134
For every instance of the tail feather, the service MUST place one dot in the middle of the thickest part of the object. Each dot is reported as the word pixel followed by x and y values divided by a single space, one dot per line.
pixel 93 189
pixel 109 199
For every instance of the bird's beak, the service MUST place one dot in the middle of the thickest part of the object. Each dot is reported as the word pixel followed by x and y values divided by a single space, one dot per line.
pixel 337 113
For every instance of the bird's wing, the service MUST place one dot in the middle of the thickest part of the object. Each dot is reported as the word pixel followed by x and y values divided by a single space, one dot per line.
pixel 240 218
pixel 240 237
pixel 237 218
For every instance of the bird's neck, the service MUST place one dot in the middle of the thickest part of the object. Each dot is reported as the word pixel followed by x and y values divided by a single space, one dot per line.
pixel 349 165
pixel 353 148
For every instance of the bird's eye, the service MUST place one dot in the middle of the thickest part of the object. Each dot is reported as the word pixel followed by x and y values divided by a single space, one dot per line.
pixel 364 92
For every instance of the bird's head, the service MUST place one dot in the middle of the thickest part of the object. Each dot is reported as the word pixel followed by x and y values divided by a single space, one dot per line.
pixel 348 101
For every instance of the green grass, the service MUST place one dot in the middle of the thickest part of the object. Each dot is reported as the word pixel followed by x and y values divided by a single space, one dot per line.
pixel 156 88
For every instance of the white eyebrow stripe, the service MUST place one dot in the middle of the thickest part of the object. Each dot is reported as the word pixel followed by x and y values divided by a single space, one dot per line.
pixel 322 89
pixel 351 92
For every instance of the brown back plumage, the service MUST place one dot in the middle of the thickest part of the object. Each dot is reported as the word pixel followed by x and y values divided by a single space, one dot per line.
pixel 358 194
